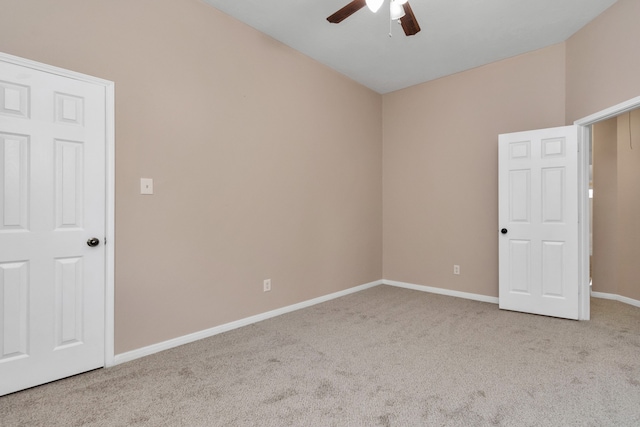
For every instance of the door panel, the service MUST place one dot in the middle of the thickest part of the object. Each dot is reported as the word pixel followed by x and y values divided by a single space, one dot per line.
pixel 520 195
pixel 69 304
pixel 538 209
pixel 14 329
pixel 52 200
pixel 14 181
pixel 519 272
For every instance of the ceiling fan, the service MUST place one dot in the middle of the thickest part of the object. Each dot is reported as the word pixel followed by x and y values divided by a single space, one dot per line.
pixel 400 11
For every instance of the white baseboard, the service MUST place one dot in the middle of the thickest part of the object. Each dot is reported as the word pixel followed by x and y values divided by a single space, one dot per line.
pixel 615 297
pixel 166 345
pixel 441 291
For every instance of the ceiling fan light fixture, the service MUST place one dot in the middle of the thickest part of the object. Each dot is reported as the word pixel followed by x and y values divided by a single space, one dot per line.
pixel 397 11
pixel 374 5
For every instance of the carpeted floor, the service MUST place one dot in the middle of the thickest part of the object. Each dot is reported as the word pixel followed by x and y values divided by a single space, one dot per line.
pixel 385 356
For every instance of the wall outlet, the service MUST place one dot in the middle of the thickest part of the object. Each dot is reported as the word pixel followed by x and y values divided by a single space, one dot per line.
pixel 456 269
pixel 266 286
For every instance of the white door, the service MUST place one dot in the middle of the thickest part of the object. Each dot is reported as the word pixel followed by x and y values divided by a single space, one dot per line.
pixel 538 221
pixel 52 201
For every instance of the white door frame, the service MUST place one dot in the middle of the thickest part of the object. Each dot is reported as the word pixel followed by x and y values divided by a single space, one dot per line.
pixel 109 237
pixel 584 137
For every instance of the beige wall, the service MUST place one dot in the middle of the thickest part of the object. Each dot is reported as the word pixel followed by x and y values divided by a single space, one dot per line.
pixel 604 262
pixel 440 149
pixel 629 205
pixel 603 65
pixel 440 179
pixel 266 163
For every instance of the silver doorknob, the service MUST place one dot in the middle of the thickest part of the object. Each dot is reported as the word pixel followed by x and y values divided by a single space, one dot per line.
pixel 93 242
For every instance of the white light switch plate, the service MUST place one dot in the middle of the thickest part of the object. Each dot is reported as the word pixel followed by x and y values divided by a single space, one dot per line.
pixel 146 186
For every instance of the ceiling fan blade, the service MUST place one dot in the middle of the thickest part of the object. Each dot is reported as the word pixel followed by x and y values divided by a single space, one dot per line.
pixel 347 11
pixel 409 22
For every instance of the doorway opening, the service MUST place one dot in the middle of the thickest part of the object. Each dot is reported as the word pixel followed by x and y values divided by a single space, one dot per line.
pixel 614 173
pixel 586 130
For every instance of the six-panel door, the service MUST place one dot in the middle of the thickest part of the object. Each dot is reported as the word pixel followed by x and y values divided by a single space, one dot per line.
pixel 538 222
pixel 52 200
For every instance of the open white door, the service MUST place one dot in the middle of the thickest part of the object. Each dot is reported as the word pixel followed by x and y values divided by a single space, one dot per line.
pixel 538 222
pixel 52 204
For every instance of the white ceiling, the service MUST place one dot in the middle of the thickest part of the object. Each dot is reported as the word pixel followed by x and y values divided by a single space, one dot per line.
pixel 456 34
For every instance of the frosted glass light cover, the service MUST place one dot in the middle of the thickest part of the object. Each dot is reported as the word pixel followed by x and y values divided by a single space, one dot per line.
pixel 374 5
pixel 397 11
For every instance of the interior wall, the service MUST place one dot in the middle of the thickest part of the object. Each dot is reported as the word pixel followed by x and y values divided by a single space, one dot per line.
pixel 603 65
pixel 440 166
pixel 604 262
pixel 266 163
pixel 629 205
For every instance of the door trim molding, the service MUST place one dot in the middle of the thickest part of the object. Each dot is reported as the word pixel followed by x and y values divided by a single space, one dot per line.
pixel 109 237
pixel 584 137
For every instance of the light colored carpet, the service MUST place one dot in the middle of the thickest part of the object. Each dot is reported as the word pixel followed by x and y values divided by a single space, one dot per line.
pixel 385 356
